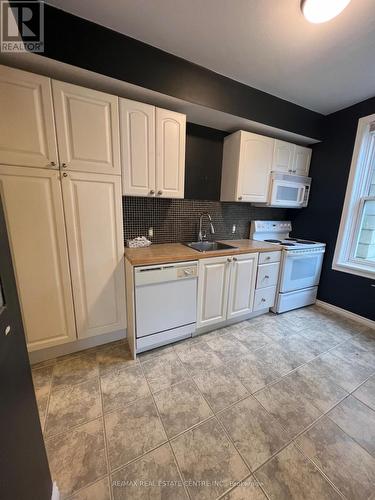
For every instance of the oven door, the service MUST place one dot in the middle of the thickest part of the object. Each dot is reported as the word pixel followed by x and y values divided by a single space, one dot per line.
pixel 301 269
pixel 287 194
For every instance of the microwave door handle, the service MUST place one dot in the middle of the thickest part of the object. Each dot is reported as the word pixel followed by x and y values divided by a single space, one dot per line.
pixel 301 195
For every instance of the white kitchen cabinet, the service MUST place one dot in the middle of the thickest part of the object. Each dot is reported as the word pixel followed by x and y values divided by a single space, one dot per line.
pixel 87 124
pixel 213 286
pixel 247 163
pixel 242 284
pixel 93 213
pixel 283 157
pixel 137 125
pixel 170 153
pixel 152 150
pixel 264 298
pixel 35 220
pixel 226 288
pixel 289 158
pixel 27 127
pixel 301 161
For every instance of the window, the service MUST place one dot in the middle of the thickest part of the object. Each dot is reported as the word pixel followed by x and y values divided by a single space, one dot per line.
pixel 355 247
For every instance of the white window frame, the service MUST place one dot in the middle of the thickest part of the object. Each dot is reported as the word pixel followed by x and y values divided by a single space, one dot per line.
pixel 364 152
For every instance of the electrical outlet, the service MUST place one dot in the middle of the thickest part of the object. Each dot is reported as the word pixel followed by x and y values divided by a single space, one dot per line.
pixel 150 232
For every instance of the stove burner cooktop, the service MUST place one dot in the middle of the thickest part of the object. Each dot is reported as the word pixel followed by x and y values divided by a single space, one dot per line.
pixel 301 242
pixel 273 241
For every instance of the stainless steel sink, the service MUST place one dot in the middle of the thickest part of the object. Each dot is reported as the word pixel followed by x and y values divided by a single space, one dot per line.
pixel 209 246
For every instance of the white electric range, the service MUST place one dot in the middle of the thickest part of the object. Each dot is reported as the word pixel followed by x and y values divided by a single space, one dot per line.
pixel 301 264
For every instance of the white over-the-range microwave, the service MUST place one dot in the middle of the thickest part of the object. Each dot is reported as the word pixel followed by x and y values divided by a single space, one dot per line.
pixel 287 191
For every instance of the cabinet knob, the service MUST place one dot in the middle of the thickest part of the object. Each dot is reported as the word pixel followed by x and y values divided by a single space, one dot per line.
pixel 64 165
pixel 152 191
pixel 235 259
pixel 160 192
pixel 263 299
pixel 266 277
pixel 268 258
pixel 240 197
pixel 229 259
pixel 53 164
pixel 65 174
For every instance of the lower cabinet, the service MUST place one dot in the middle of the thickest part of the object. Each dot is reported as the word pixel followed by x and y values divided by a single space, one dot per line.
pixel 93 214
pixel 267 278
pixel 242 284
pixel 225 288
pixel 34 214
pixel 67 249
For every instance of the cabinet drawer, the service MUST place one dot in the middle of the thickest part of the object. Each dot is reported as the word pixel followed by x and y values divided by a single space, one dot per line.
pixel 264 298
pixel 268 257
pixel 267 275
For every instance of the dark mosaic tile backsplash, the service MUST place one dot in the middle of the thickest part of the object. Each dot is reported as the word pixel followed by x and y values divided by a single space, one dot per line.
pixel 177 220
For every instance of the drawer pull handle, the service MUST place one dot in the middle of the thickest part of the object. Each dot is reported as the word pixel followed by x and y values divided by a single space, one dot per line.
pixel 268 258
pixel 266 277
pixel 263 299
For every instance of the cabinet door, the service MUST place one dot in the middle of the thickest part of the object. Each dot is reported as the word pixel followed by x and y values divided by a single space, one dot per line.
pixel 170 154
pixel 35 219
pixel 87 125
pixel 254 167
pixel 137 124
pixel 27 128
pixel 302 159
pixel 283 157
pixel 92 204
pixel 213 284
pixel 242 284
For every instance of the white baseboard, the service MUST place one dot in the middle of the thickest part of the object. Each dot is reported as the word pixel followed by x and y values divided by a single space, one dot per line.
pixel 347 314
pixel 75 346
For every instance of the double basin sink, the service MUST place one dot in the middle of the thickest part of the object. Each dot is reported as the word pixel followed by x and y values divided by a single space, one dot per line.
pixel 209 246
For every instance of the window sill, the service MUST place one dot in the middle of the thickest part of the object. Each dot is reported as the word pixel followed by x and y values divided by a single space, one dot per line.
pixel 363 271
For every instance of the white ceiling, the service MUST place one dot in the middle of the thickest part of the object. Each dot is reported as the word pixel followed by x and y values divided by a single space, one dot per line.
pixel 266 44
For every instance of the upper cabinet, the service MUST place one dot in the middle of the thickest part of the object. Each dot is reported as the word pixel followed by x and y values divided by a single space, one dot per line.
pixel 291 159
pixel 247 162
pixel 27 128
pixel 301 161
pixel 87 125
pixel 137 147
pixel 283 157
pixel 153 150
pixel 170 153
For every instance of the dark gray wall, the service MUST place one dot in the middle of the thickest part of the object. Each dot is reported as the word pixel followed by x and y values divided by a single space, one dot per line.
pixel 79 42
pixel 321 219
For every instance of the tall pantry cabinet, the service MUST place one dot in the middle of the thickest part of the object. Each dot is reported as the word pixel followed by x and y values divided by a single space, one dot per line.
pixel 60 182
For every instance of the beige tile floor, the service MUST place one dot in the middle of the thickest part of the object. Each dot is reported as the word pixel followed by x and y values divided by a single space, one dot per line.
pixel 278 407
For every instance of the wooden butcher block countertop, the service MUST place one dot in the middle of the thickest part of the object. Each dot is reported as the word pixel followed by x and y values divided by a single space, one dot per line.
pixel 177 252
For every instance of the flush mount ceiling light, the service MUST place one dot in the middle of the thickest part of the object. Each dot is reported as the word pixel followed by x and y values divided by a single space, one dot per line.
pixel 321 11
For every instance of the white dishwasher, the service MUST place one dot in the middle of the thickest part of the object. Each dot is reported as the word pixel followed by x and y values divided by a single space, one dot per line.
pixel 165 303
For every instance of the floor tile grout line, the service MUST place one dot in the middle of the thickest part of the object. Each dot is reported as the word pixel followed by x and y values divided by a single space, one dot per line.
pixel 225 431
pixel 74 427
pixel 86 486
pixel 325 476
pixel 350 437
pixel 105 439
pixel 168 440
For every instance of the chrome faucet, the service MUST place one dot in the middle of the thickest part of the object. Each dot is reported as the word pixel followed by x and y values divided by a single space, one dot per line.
pixel 203 235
